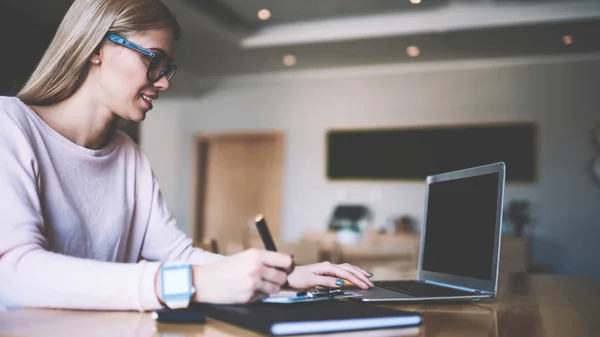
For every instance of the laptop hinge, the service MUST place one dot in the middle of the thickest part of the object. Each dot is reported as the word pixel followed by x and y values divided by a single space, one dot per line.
pixel 471 290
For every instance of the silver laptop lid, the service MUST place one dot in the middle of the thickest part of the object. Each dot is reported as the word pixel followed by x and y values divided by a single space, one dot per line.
pixel 460 243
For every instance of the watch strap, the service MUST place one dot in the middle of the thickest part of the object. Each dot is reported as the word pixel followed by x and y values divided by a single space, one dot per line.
pixel 178 304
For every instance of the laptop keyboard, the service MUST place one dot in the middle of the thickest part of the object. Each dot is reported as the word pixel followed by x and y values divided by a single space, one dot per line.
pixel 421 289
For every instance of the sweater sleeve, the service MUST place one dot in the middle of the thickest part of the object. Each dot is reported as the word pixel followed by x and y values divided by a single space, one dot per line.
pixel 32 276
pixel 164 241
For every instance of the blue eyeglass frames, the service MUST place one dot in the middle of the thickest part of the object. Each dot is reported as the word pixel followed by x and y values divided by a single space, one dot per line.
pixel 159 65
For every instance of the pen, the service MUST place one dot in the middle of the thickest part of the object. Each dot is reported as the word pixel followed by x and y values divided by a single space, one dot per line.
pixel 265 235
pixel 267 239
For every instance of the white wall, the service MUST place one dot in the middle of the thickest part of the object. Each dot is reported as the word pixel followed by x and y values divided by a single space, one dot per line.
pixel 561 95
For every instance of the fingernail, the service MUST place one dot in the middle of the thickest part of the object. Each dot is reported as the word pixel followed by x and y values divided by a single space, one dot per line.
pixel 370 274
pixel 339 283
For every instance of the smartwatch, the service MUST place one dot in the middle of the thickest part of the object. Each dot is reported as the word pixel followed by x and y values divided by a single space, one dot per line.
pixel 177 287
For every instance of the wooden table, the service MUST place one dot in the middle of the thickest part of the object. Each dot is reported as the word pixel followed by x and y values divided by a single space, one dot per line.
pixel 537 305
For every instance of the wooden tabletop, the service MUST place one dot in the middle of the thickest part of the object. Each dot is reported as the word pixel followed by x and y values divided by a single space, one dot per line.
pixel 537 305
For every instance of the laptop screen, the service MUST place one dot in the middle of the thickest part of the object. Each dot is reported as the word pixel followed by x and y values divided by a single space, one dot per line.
pixel 460 227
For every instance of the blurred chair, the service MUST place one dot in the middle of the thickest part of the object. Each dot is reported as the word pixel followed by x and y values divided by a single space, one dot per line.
pixel 209 245
pixel 233 248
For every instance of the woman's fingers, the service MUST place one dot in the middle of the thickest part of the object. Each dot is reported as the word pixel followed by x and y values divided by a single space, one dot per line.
pixel 329 269
pixel 258 295
pixel 274 276
pixel 267 288
pixel 359 273
pixel 366 273
pixel 326 281
pixel 277 260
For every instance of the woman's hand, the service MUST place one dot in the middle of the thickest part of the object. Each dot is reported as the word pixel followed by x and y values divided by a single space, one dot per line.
pixel 242 278
pixel 328 275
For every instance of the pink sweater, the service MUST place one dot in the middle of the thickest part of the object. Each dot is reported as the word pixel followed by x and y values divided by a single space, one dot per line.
pixel 74 222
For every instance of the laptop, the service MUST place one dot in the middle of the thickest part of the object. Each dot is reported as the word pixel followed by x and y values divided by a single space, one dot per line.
pixel 460 240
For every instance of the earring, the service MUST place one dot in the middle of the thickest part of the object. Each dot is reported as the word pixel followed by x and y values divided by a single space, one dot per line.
pixel 97 61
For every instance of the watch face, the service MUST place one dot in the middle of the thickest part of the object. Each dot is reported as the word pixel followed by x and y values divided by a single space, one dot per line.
pixel 176 281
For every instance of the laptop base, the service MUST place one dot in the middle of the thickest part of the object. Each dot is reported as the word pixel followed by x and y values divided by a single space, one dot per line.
pixel 413 291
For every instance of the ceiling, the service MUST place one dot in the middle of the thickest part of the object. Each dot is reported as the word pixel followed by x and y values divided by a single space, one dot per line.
pixel 311 10
pixel 226 37
pixel 337 33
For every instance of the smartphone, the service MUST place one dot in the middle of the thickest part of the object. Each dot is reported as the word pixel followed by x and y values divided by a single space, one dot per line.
pixel 178 316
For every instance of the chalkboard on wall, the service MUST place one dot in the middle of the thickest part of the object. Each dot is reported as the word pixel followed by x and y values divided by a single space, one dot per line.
pixel 416 152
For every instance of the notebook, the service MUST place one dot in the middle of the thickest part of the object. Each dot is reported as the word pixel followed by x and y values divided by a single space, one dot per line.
pixel 311 317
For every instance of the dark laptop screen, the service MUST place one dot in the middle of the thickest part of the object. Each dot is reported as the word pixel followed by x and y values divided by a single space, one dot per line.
pixel 461 221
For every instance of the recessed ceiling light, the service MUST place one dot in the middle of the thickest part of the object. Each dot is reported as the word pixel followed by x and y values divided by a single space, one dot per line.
pixel 413 51
pixel 415 2
pixel 289 60
pixel 567 39
pixel 264 14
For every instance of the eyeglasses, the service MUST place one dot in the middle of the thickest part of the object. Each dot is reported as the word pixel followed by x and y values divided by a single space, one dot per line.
pixel 159 64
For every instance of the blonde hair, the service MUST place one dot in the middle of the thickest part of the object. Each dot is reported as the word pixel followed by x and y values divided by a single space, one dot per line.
pixel 65 63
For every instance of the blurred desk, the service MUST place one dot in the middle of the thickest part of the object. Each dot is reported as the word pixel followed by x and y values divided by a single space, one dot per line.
pixel 515 254
pixel 536 305
pixel 388 257
pixel 370 246
pixel 396 256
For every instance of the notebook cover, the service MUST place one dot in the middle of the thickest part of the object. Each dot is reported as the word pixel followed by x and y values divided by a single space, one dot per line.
pixel 325 316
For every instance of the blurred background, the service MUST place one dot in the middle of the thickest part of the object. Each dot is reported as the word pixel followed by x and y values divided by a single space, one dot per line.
pixel 327 115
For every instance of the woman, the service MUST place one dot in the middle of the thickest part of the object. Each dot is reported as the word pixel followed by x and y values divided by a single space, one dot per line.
pixel 83 224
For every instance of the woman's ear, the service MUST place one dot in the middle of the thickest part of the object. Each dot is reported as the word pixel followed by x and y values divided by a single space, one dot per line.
pixel 96 57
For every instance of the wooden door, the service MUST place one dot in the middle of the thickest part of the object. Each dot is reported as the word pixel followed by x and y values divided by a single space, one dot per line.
pixel 237 177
